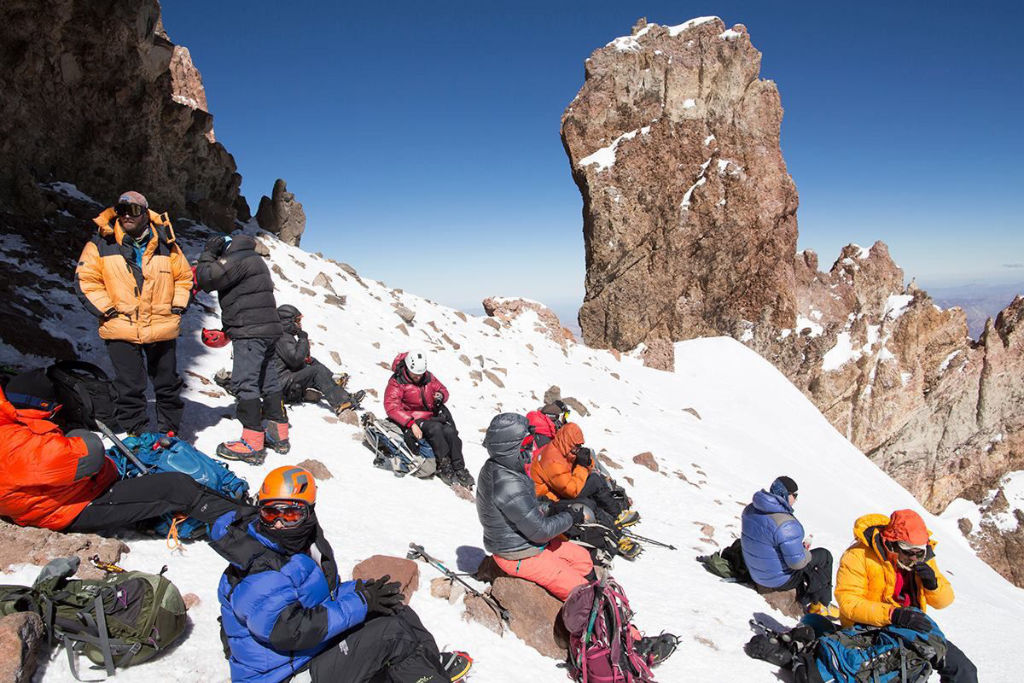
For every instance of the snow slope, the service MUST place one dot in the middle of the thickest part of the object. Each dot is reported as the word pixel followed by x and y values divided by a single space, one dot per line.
pixel 753 425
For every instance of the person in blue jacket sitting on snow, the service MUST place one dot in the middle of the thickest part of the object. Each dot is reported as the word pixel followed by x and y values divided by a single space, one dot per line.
pixel 285 616
pixel 778 556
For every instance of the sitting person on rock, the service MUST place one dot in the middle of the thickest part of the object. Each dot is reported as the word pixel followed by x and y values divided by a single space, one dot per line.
pixel 66 482
pixel 565 470
pixel 302 375
pixel 778 556
pixel 286 616
pixel 888 574
pixel 415 401
pixel 523 538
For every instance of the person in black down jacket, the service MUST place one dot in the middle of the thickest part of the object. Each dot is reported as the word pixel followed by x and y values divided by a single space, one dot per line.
pixel 232 268
pixel 523 538
pixel 300 372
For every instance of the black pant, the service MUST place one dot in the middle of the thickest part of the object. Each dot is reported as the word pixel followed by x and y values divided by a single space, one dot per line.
pixel 317 376
pixel 955 667
pixel 597 489
pixel 256 384
pixel 396 648
pixel 152 495
pixel 444 439
pixel 132 363
pixel 813 583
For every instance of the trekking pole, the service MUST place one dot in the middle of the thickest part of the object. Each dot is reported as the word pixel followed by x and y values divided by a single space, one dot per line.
pixel 120 446
pixel 643 539
pixel 416 552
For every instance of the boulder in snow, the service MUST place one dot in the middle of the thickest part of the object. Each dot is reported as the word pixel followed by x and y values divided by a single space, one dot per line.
pixel 405 572
pixel 21 635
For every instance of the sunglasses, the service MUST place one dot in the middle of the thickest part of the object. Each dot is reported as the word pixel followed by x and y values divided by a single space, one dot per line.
pixel 289 514
pixel 910 551
pixel 132 210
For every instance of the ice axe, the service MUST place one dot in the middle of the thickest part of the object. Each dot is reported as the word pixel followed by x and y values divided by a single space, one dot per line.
pixel 120 446
pixel 416 552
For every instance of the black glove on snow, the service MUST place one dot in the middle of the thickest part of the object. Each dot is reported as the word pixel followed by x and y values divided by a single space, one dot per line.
pixel 584 456
pixel 906 617
pixel 380 596
pixel 927 576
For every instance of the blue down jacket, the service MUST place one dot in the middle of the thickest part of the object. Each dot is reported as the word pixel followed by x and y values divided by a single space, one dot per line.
pixel 277 611
pixel 772 540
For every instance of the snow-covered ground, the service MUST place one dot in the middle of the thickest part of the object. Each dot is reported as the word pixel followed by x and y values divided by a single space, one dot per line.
pixel 753 425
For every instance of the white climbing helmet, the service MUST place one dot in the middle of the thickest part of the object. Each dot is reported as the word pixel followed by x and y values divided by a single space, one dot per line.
pixel 416 362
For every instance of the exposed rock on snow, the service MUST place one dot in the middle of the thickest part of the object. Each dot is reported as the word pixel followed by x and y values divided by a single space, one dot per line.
pixel 38 546
pixel 21 637
pixel 405 572
pixel 282 215
pixel 507 310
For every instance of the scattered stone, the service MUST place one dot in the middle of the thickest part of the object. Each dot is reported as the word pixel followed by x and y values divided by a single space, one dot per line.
pixel 576 405
pixel 552 394
pixel 461 315
pixel 608 462
pixel 628 479
pixel 405 572
pixel 22 635
pixel 336 357
pixel 534 615
pixel 307 291
pixel 405 313
pixel 647 460
pixel 386 366
pixel 491 322
pixel 376 345
pixel 317 469
pixel 322 281
pixel 21 545
pixel 706 528
pixel 463 493
pixel 199 377
pixel 263 250
pixel 476 375
pixel 402 327
pixel 614 374
pixel 190 599
pixel 278 272
pixel 348 417
pixel 347 268
pixel 480 360
pixel 441 587
pixel 373 392
pixel 494 378
pixel 335 300
pixel 784 601
pixel 966 526
pixel 501 370
pixel 706 642
pixel 479 611
pixel 331 420
pixel 448 340
pixel 693 412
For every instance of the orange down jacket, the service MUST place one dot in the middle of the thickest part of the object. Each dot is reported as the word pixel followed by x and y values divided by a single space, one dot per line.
pixel 867 578
pixel 38 465
pixel 554 469
pixel 107 278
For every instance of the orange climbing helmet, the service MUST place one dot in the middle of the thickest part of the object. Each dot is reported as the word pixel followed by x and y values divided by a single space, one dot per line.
pixel 288 483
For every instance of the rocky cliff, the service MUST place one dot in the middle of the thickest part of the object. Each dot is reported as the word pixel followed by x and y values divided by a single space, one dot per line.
pixel 689 222
pixel 96 94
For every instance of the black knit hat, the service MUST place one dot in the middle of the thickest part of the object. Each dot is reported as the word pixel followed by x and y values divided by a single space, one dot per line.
pixel 31 390
pixel 783 486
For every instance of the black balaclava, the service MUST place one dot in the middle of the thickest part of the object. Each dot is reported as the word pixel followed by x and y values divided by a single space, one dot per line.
pixel 293 540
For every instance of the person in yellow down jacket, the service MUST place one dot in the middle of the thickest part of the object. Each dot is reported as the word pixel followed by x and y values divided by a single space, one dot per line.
pixel 134 278
pixel 889 576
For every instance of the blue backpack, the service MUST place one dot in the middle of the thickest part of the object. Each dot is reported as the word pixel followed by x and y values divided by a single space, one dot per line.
pixel 862 654
pixel 162 453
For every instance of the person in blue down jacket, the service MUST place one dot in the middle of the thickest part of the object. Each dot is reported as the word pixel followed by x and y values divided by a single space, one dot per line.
pixel 778 556
pixel 285 616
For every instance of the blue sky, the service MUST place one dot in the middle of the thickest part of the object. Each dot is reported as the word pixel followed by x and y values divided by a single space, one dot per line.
pixel 423 138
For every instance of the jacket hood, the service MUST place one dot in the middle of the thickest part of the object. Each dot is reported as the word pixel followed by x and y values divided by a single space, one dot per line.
pixel 504 440
pixel 566 439
pixel 240 243
pixel 868 530
pixel 108 225
pixel 769 503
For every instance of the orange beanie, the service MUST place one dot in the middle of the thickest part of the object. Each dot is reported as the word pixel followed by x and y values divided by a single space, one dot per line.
pixel 906 526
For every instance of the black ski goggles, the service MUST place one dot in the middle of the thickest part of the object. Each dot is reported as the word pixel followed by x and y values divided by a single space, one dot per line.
pixel 129 210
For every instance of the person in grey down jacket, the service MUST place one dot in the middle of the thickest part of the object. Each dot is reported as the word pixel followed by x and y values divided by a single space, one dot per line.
pixel 778 556
pixel 522 533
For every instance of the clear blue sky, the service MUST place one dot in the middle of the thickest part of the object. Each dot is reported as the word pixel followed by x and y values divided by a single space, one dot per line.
pixel 423 138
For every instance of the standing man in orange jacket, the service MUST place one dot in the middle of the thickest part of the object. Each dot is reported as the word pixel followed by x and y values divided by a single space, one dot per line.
pixel 134 278
pixel 889 576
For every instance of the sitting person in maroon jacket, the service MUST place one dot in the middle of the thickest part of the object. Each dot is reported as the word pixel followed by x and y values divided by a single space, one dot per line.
pixel 415 401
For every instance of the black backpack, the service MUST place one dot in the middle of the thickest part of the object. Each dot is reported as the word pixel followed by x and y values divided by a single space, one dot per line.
pixel 86 393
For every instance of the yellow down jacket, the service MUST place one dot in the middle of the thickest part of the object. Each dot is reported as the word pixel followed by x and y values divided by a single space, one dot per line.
pixel 867 578
pixel 141 299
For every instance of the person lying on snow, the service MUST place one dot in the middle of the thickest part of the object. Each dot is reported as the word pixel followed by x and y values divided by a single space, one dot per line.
pixel 66 482
pixel 778 556
pixel 415 401
pixel 231 267
pixel 303 376
pixel 891 569
pixel 523 534
pixel 286 616
pixel 564 472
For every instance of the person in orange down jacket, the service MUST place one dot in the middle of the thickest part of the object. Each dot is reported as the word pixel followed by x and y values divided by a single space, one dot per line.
pixel 66 482
pixel 134 278
pixel 889 576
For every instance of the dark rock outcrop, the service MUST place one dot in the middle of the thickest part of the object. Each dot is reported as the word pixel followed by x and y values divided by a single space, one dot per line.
pixel 282 215
pixel 405 572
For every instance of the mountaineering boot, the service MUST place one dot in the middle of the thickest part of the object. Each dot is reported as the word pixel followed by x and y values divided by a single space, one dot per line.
pixel 277 436
pixel 445 473
pixel 311 395
pixel 341 379
pixel 456 664
pixel 248 449
pixel 351 404
pixel 828 611
pixel 464 478
pixel 629 549
pixel 656 649
pixel 627 518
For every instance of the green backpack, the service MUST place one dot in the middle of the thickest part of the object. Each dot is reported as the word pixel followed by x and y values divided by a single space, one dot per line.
pixel 121 620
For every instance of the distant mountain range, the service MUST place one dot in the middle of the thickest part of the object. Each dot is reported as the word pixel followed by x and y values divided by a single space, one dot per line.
pixel 980 301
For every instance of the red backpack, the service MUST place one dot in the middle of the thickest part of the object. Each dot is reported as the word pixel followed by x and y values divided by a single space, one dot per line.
pixel 602 641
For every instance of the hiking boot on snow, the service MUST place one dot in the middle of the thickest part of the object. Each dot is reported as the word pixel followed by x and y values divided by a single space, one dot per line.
pixel 465 478
pixel 341 379
pixel 627 518
pixel 312 395
pixel 357 399
pixel 656 649
pixel 277 437
pixel 456 664
pixel 446 474
pixel 247 449
pixel 351 404
pixel 828 611
pixel 629 549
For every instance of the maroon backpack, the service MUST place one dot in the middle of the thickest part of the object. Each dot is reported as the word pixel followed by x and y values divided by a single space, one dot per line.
pixel 602 641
